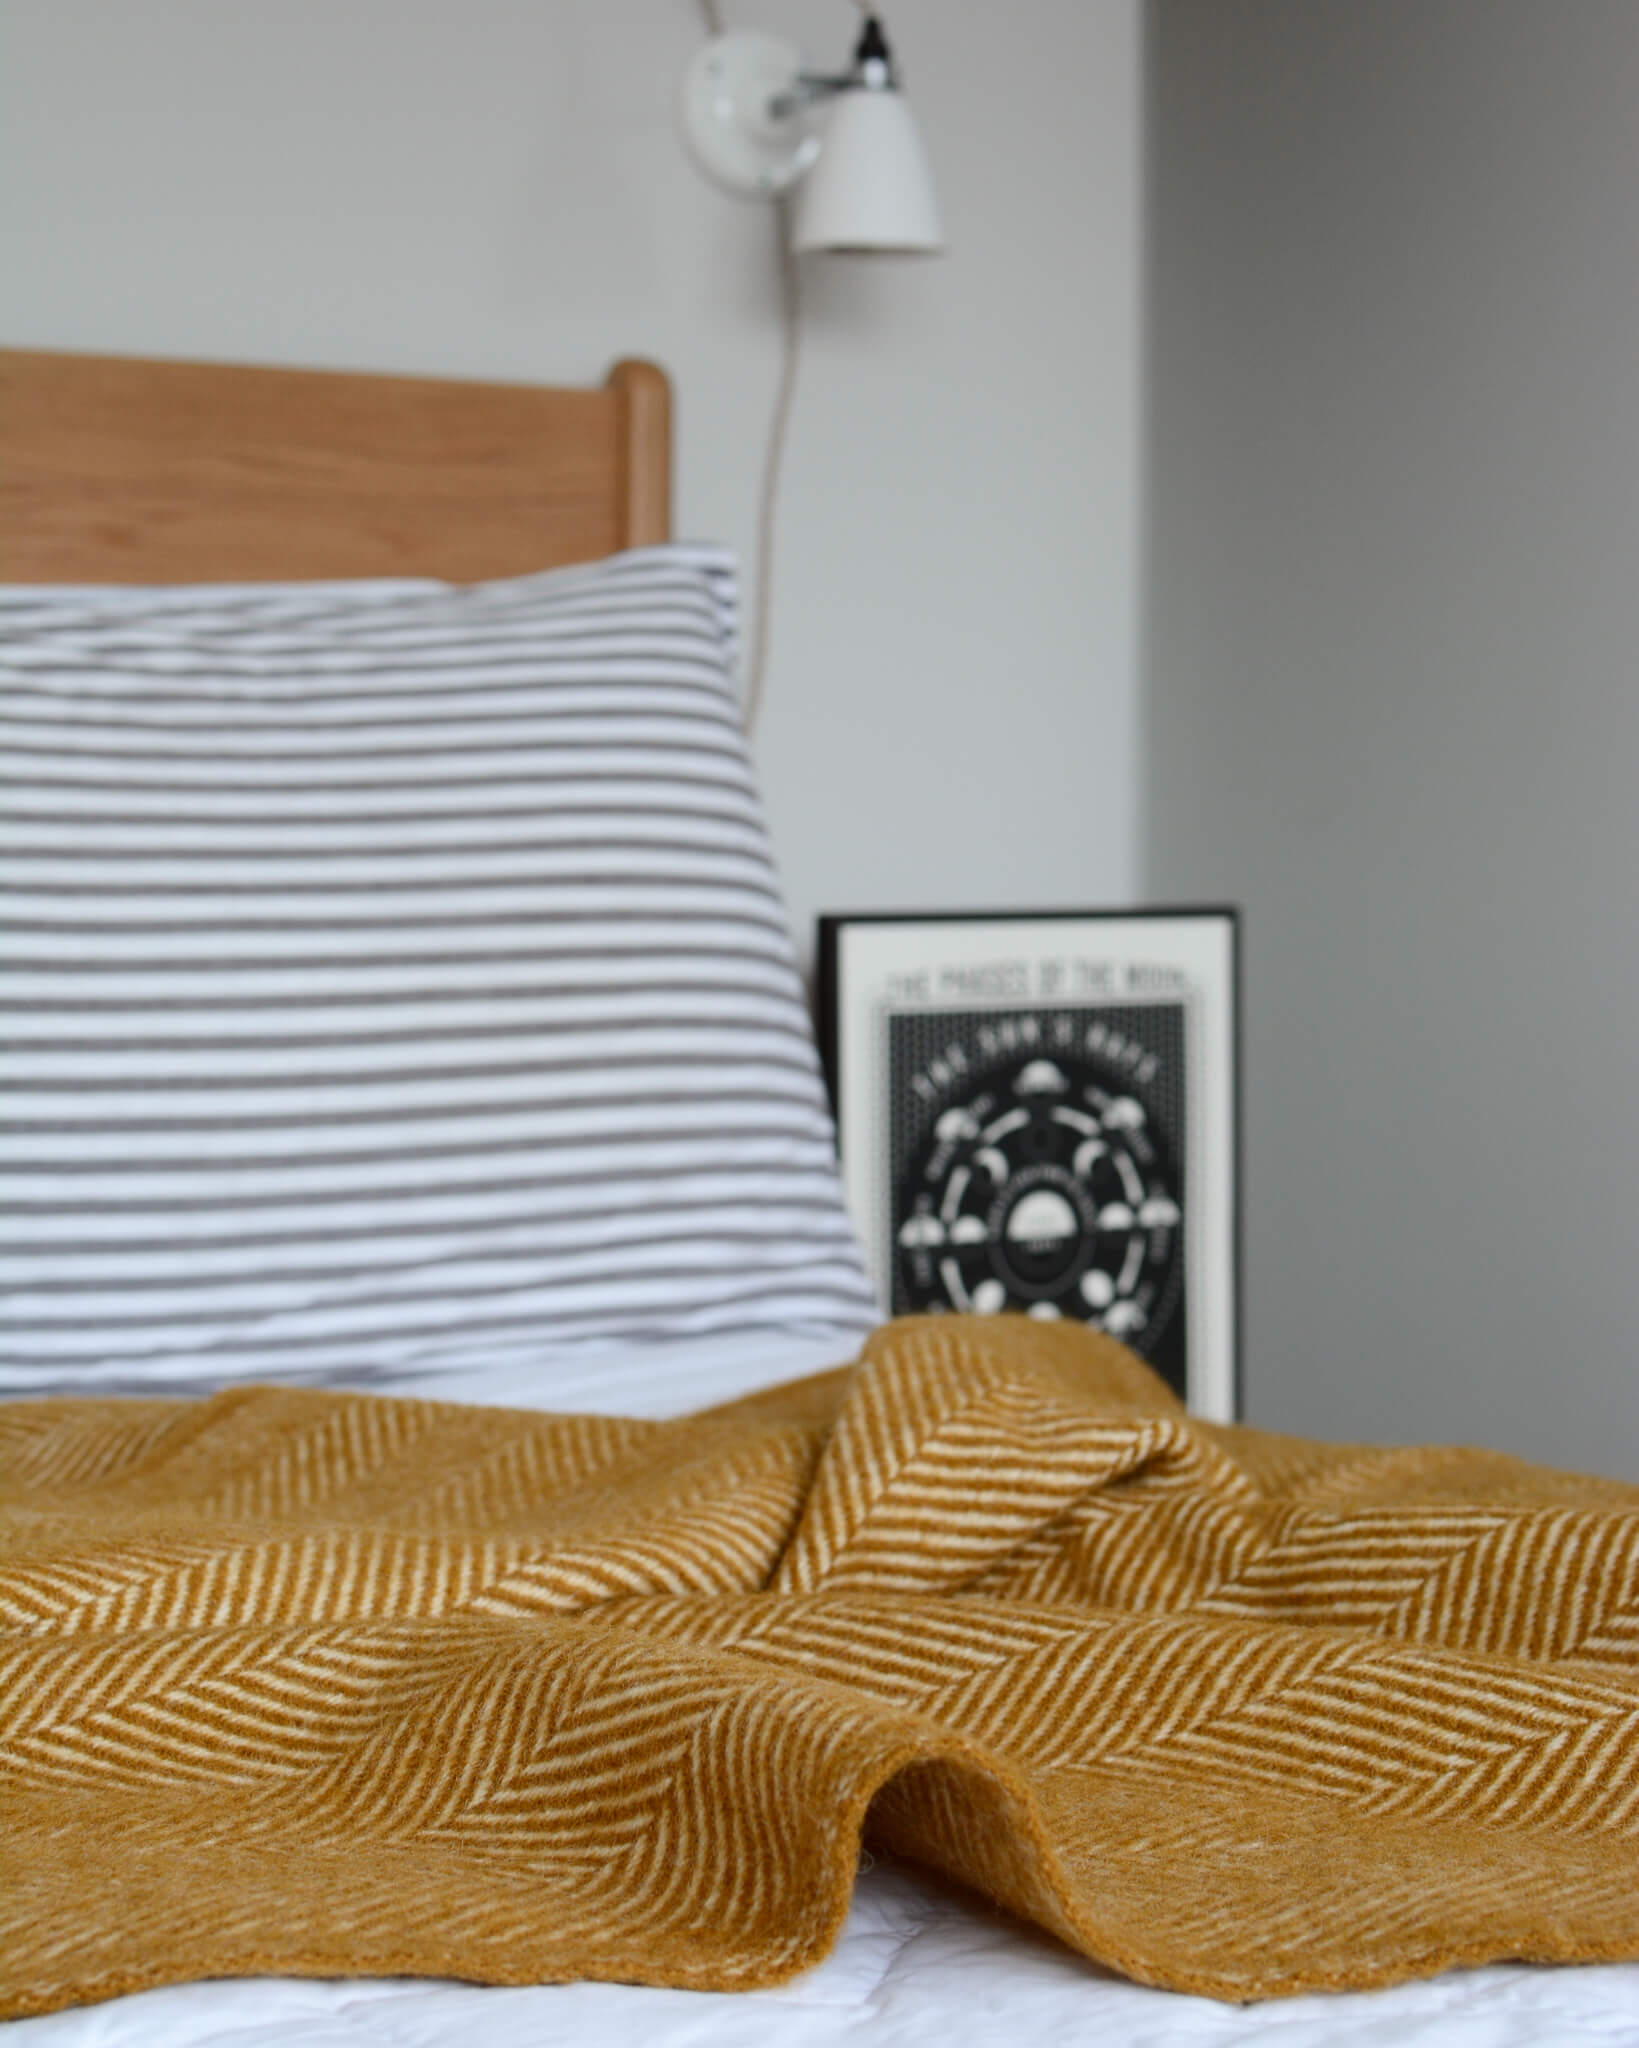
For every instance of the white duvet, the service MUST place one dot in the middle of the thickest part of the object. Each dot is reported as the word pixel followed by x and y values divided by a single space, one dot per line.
pixel 918 1965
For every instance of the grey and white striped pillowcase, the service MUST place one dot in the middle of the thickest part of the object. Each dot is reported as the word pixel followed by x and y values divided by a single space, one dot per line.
pixel 395 975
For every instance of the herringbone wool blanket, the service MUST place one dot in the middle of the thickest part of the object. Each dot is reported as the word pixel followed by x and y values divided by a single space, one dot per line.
pixel 330 1684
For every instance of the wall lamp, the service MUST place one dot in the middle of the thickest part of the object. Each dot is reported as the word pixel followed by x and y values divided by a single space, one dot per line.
pixel 844 144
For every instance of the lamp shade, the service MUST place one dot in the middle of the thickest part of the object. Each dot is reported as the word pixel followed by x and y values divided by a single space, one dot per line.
pixel 871 189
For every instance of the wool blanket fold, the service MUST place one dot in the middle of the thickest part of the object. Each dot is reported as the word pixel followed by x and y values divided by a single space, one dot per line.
pixel 327 1684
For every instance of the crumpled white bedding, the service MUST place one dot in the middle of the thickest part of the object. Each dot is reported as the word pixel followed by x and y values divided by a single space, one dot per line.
pixel 919 1965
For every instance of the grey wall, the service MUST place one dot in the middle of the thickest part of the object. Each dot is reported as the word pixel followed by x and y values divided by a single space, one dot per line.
pixel 495 188
pixel 1393 685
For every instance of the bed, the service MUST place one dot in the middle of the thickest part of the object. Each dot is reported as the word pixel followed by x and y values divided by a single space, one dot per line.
pixel 261 483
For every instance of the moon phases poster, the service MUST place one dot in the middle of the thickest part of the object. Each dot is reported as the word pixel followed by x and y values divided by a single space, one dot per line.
pixel 1036 1117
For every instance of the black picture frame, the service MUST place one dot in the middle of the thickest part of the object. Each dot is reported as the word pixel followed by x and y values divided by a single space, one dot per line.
pixel 1104 1046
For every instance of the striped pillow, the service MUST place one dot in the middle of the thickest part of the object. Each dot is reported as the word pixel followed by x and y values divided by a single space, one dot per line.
pixel 396 975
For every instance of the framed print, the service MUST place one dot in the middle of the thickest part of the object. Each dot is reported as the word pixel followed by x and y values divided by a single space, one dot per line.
pixel 1039 1113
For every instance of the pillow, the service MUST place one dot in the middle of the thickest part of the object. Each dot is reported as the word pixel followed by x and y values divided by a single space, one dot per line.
pixel 396 974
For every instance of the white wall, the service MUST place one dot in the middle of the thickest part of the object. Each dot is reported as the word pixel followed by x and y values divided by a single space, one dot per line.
pixel 1393 686
pixel 493 187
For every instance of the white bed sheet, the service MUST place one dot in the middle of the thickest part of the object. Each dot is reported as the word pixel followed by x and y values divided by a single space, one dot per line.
pixel 918 1965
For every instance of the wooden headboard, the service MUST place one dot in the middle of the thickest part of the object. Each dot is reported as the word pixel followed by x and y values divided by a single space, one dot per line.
pixel 120 470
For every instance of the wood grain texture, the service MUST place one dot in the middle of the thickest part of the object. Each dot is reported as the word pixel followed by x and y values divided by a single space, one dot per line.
pixel 122 470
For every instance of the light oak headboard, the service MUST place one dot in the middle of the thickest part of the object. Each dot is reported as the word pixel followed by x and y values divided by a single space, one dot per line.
pixel 120 470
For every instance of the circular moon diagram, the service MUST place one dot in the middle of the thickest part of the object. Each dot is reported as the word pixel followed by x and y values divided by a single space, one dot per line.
pixel 1046 1188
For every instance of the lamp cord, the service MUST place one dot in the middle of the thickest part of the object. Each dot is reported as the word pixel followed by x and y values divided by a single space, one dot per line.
pixel 779 426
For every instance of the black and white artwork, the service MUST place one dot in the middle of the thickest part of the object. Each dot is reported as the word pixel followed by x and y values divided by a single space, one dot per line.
pixel 1037 1116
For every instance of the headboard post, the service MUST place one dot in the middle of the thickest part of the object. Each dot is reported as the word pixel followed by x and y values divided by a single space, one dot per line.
pixel 645 396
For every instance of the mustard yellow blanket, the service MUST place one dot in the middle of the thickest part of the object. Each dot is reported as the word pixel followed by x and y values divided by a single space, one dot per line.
pixel 327 1684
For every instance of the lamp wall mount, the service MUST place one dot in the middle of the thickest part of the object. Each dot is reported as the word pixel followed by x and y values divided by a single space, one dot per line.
pixel 742 107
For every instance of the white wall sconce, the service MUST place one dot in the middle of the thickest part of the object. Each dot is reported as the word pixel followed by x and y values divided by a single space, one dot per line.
pixel 840 155
pixel 844 144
